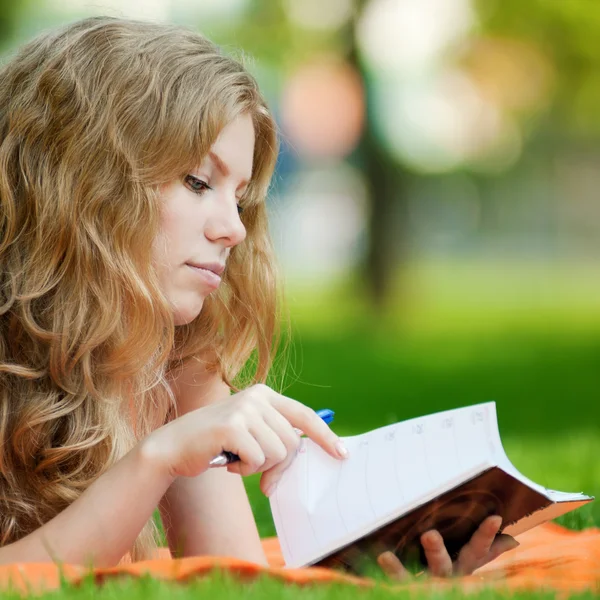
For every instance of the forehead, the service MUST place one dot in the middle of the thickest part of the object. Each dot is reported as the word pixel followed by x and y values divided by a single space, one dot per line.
pixel 234 147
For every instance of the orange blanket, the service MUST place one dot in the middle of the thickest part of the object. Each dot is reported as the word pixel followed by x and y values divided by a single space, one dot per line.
pixel 549 557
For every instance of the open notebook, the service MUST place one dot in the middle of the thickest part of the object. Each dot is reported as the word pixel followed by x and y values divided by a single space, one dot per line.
pixel 444 471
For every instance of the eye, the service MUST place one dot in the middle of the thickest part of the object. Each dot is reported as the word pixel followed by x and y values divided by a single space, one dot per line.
pixel 197 185
pixel 240 209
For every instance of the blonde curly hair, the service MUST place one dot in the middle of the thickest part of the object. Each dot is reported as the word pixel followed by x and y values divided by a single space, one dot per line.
pixel 94 118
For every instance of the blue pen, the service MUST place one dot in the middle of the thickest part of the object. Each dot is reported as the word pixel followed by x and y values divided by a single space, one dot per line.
pixel 226 457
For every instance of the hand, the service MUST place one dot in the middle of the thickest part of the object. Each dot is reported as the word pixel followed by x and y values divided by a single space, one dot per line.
pixel 257 424
pixel 482 548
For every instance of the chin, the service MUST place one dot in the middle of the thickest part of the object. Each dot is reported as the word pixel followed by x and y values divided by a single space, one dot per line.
pixel 184 315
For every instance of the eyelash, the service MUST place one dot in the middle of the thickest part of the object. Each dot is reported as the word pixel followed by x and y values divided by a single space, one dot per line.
pixel 191 180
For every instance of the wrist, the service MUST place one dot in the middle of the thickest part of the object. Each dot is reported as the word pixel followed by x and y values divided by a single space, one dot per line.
pixel 154 457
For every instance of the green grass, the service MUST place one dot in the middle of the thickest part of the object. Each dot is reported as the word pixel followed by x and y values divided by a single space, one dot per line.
pixel 525 336
pixel 222 586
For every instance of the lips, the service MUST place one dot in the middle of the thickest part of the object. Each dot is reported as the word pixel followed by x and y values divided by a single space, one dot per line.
pixel 216 268
pixel 208 274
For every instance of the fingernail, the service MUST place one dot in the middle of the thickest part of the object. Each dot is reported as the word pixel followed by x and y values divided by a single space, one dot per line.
pixel 341 450
pixel 385 558
pixel 270 489
pixel 432 537
pixel 513 544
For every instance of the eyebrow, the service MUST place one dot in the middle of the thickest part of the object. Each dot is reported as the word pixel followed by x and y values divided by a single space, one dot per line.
pixel 223 167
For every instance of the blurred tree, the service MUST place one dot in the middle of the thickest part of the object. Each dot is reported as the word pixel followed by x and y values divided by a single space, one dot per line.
pixel 386 179
pixel 287 45
pixel 9 14
pixel 539 60
pixel 567 35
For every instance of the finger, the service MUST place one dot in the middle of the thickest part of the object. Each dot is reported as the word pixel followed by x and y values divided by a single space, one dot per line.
pixel 438 559
pixel 473 554
pixel 250 452
pixel 392 567
pixel 291 441
pixel 272 446
pixel 311 424
pixel 283 428
pixel 503 543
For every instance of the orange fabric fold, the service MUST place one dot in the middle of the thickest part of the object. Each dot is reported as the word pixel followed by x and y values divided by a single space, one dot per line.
pixel 549 557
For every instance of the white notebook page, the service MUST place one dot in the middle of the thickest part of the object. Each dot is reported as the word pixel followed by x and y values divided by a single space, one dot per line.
pixel 319 501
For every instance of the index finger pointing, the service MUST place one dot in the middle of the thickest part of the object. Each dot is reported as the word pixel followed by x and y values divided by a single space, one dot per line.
pixel 304 418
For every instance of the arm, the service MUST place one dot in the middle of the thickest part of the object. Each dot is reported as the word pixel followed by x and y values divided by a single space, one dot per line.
pixel 103 523
pixel 208 514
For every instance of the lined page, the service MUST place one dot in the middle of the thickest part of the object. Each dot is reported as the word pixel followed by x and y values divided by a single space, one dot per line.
pixel 320 501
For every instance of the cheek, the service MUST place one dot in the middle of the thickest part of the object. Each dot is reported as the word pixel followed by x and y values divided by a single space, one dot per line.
pixel 173 237
pixel 160 254
pixel 165 263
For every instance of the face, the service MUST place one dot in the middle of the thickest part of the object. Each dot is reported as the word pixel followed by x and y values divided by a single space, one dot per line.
pixel 201 222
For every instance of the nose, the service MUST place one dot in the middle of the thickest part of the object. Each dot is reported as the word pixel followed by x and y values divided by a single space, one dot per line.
pixel 225 224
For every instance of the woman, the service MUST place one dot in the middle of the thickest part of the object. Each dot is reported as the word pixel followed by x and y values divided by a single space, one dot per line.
pixel 137 281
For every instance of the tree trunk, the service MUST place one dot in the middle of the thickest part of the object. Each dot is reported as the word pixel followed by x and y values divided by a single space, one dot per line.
pixel 386 187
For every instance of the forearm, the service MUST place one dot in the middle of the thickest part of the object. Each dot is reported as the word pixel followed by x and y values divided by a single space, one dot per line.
pixel 211 515
pixel 102 524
